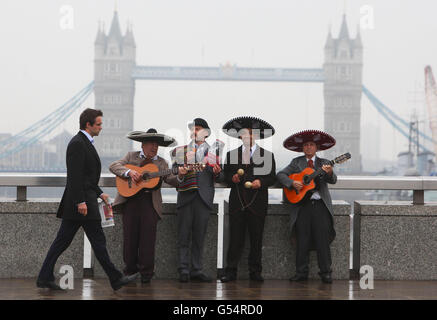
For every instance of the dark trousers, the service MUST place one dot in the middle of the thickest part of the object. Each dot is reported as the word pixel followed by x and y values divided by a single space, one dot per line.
pixel 67 231
pixel 192 222
pixel 312 226
pixel 139 234
pixel 239 222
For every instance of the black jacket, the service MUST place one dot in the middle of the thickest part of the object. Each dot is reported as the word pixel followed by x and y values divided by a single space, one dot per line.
pixel 83 175
pixel 261 160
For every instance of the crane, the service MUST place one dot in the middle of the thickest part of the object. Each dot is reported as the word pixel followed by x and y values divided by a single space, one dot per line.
pixel 431 101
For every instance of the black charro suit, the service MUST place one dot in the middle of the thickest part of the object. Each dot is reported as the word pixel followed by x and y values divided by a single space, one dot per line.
pixel 83 174
pixel 262 166
pixel 311 221
pixel 261 160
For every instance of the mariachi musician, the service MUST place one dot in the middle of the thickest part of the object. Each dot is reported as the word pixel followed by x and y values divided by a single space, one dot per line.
pixel 311 219
pixel 195 200
pixel 141 212
pixel 249 171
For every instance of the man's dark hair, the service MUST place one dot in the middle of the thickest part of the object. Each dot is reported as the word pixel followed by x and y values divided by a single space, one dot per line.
pixel 89 115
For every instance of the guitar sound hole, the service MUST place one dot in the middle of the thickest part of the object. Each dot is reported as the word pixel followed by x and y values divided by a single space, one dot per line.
pixel 146 176
pixel 306 180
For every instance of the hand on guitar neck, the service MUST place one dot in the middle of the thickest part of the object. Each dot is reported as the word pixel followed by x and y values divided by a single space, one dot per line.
pixel 327 168
pixel 183 170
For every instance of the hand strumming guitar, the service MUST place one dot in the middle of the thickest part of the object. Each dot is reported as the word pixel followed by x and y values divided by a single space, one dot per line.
pixel 297 185
pixel 135 176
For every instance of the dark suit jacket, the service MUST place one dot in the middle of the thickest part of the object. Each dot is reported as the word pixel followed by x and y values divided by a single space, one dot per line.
pixel 296 166
pixel 83 175
pixel 205 182
pixel 261 160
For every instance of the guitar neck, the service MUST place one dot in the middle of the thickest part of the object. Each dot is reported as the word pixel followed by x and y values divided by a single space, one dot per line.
pixel 165 172
pixel 162 173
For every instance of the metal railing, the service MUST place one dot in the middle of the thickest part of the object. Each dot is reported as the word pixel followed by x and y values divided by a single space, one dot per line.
pixel 418 184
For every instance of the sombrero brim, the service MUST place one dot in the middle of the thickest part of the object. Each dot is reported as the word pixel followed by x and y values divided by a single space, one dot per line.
pixel 232 127
pixel 323 140
pixel 162 139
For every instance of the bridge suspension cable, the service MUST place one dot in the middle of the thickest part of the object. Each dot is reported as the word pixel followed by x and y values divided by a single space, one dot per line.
pixel 43 127
pixel 395 120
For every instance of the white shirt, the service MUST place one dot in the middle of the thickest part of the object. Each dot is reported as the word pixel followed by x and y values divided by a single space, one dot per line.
pixel 91 139
pixel 316 194
pixel 200 150
pixel 252 149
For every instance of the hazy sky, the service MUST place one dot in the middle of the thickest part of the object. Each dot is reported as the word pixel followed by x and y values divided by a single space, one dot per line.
pixel 43 65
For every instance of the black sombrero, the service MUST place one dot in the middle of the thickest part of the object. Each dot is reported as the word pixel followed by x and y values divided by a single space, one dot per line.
pixel 152 135
pixel 233 126
pixel 322 139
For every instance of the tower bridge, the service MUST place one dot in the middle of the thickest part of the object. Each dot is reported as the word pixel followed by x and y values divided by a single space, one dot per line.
pixel 116 70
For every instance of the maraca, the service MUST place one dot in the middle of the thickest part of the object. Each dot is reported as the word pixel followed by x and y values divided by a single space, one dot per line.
pixel 240 172
pixel 248 185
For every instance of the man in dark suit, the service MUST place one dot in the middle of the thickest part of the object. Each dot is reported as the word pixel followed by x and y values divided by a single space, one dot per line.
pixel 195 201
pixel 249 171
pixel 79 207
pixel 312 219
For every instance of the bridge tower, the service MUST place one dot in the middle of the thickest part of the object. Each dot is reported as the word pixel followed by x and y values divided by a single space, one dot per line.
pixel 342 93
pixel 114 89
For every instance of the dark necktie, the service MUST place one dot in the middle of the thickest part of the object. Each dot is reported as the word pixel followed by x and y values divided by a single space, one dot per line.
pixel 310 164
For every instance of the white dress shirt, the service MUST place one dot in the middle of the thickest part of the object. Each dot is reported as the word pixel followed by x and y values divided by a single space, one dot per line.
pixel 91 139
pixel 252 149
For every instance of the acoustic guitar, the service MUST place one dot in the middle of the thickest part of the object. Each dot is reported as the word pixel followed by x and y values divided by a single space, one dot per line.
pixel 151 177
pixel 307 176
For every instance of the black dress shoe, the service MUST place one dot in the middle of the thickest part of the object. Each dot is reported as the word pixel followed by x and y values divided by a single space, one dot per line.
pixel 146 279
pixel 200 278
pixel 48 284
pixel 184 277
pixel 256 277
pixel 326 278
pixel 123 281
pixel 228 277
pixel 297 278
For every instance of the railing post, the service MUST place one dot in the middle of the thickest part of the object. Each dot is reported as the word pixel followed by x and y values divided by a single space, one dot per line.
pixel 21 193
pixel 419 197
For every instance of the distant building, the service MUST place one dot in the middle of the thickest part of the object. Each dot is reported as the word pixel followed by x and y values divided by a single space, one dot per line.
pixel 38 157
pixel 114 90
pixel 342 92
